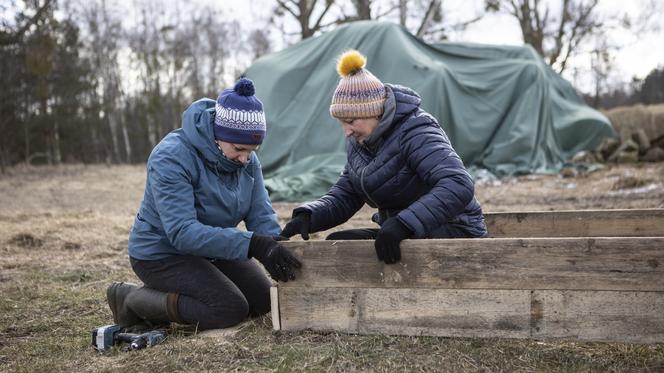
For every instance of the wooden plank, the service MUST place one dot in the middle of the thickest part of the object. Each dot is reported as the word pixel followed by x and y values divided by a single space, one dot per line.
pixel 318 308
pixel 634 317
pixel 274 307
pixel 438 312
pixel 629 264
pixel 577 223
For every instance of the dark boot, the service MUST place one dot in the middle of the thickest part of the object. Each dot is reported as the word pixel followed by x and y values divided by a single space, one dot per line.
pixel 116 295
pixel 153 307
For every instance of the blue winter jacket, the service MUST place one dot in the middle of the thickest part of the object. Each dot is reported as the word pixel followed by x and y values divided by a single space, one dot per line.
pixel 405 168
pixel 195 197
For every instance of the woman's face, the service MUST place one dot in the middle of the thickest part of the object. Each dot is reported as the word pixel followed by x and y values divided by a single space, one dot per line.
pixel 359 128
pixel 236 152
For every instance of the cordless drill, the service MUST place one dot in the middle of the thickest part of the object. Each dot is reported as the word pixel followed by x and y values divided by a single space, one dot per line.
pixel 105 337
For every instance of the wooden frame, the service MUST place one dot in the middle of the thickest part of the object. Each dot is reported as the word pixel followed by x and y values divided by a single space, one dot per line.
pixel 578 288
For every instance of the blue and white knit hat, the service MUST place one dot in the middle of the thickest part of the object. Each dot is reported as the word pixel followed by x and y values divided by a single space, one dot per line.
pixel 239 117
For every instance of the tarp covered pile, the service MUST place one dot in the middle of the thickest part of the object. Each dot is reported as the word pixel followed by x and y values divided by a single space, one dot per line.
pixel 503 108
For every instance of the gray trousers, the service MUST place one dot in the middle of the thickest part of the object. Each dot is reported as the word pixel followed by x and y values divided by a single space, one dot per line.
pixel 213 293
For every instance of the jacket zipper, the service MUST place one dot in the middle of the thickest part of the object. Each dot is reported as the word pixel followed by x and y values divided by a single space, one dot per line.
pixel 364 190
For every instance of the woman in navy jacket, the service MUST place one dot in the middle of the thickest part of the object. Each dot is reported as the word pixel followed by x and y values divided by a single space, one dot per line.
pixel 400 161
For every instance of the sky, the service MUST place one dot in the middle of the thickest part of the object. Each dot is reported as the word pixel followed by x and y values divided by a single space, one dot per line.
pixel 636 55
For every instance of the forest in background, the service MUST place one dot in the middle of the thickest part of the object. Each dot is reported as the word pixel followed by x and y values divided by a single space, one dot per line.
pixel 89 82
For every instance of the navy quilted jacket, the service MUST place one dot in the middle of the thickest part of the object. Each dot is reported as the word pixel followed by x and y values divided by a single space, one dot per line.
pixel 406 168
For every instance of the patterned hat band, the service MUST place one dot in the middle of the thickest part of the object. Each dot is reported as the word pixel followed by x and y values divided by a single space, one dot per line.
pixel 239 126
pixel 357 110
pixel 240 119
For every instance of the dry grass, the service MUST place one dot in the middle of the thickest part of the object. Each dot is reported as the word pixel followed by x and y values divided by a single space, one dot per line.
pixel 63 236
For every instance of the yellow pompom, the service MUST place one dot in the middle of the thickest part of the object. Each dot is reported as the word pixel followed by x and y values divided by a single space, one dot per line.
pixel 350 62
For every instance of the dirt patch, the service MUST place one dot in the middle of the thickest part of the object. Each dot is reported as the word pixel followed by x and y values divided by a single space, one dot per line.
pixel 71 246
pixel 26 241
pixel 630 182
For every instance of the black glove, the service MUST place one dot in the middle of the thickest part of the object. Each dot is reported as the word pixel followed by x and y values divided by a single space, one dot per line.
pixel 391 233
pixel 278 261
pixel 299 224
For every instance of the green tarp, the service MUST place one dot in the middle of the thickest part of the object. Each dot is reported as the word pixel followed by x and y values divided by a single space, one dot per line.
pixel 503 108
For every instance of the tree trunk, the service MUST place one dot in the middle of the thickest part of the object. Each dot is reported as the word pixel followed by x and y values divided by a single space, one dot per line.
pixel 127 144
pixel 49 139
pixel 363 9
pixel 48 153
pixel 95 144
pixel 403 12
pixel 26 134
pixel 3 160
pixel 152 125
pixel 433 5
pixel 113 127
pixel 26 129
pixel 57 155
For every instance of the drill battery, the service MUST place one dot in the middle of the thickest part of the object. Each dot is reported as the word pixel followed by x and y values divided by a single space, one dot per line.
pixel 103 338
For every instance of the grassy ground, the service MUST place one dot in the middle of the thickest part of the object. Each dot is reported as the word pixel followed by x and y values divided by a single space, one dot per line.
pixel 63 237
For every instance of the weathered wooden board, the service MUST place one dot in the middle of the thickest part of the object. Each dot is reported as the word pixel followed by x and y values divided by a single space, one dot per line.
pixel 617 316
pixel 577 223
pixel 628 264
pixel 600 316
pixel 438 312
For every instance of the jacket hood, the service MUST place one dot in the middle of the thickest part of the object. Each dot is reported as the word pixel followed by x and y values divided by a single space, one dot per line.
pixel 197 124
pixel 406 101
pixel 198 128
pixel 400 101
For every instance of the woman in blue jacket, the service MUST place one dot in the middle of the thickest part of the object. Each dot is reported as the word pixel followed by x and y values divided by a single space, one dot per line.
pixel 202 181
pixel 400 161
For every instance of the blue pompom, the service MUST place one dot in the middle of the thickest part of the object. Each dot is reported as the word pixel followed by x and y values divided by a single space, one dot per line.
pixel 244 87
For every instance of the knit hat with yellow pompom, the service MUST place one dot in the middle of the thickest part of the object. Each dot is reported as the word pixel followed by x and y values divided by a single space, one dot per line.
pixel 359 93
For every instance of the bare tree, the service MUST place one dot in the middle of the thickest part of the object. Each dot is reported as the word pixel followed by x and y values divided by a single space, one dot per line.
pixel 12 35
pixel 427 15
pixel 370 10
pixel 601 66
pixel 363 8
pixel 403 12
pixel 554 37
pixel 259 43
pixel 105 33
pixel 433 8
pixel 40 52
pixel 424 18
pixel 303 12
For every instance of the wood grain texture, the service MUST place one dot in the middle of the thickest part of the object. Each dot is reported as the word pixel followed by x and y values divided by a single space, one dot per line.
pixel 628 264
pixel 636 317
pixel 577 223
pixel 438 312
pixel 547 314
